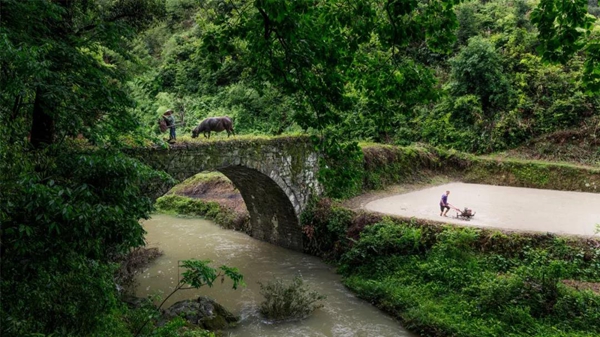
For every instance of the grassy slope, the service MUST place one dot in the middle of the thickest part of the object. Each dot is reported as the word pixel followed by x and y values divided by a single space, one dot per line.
pixel 387 165
pixel 210 195
pixel 577 146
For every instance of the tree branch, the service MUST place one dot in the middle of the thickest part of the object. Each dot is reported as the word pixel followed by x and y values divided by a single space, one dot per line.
pixel 267 22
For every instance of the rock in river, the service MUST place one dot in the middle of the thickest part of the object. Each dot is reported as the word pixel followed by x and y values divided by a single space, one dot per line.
pixel 203 312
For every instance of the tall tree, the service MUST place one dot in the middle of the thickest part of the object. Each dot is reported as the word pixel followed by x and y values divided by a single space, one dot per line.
pixel 321 51
pixel 65 214
pixel 59 63
pixel 565 28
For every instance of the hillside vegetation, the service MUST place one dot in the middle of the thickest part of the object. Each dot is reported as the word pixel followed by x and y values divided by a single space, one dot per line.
pixel 577 145
pixel 486 91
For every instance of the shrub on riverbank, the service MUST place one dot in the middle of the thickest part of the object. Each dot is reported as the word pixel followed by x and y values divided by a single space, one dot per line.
pixel 446 280
pixel 220 214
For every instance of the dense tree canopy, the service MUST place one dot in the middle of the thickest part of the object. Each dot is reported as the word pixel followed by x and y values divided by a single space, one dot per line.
pixel 372 70
pixel 65 213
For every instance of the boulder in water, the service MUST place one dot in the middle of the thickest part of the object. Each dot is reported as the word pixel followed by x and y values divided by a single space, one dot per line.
pixel 203 312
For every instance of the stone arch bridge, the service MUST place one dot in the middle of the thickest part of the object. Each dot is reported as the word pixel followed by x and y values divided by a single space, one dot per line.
pixel 275 176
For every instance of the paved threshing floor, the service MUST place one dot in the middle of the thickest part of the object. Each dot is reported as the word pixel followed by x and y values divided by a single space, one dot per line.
pixel 516 208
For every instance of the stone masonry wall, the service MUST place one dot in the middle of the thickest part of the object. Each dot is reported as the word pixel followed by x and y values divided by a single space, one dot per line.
pixel 276 177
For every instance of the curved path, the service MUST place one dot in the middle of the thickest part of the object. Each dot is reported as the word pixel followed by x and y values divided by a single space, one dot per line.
pixel 515 208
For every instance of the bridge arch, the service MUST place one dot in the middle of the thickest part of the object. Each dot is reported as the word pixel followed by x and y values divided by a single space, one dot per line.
pixel 275 176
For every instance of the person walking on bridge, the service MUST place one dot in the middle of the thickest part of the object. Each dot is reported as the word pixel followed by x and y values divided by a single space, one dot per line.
pixel 444 204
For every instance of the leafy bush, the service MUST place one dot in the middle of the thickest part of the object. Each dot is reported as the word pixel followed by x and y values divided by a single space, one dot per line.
pixel 384 238
pixel 65 217
pixel 324 227
pixel 221 215
pixel 288 301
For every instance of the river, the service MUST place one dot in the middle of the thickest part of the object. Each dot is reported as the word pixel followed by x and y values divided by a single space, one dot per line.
pixel 185 238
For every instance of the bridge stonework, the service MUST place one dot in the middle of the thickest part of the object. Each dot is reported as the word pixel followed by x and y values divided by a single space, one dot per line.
pixel 276 178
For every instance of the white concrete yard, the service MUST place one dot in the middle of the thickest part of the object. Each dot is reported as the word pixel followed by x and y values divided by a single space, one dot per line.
pixel 515 208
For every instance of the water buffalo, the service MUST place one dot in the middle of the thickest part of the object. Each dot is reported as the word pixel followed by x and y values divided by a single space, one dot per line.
pixel 216 124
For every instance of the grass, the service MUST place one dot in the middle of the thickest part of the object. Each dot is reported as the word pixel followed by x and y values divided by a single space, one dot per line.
pixel 579 145
pixel 222 137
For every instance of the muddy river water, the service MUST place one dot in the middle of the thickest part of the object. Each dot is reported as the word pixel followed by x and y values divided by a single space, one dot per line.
pixel 184 238
pixel 514 208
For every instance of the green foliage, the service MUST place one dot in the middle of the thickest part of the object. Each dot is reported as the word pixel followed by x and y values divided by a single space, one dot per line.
pixel 388 165
pixel 527 97
pixel 477 70
pixel 65 216
pixel 198 274
pixel 65 77
pixel 561 36
pixel 67 211
pixel 468 26
pixel 189 75
pixel 451 283
pixel 381 239
pixel 340 167
pixel 288 300
pixel 325 228
pixel 478 88
pixel 223 216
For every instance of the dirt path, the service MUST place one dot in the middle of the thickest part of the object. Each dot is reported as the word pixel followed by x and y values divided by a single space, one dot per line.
pixel 501 207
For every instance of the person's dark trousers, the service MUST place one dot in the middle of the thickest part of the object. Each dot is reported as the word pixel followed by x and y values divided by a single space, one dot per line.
pixel 172 131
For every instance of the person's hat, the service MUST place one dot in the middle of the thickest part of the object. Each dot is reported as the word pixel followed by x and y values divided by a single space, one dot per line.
pixel 168 112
